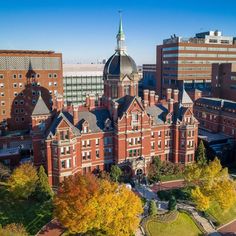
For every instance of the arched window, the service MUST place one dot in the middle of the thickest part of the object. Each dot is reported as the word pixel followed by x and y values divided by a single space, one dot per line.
pixel 127 90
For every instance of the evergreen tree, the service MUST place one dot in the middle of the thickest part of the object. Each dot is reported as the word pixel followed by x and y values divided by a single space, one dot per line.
pixel 116 172
pixel 43 190
pixel 172 204
pixel 152 208
pixel 200 154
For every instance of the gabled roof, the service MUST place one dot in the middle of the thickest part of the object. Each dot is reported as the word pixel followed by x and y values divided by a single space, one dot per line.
pixel 125 103
pixel 57 120
pixel 96 119
pixel 40 107
pixel 158 112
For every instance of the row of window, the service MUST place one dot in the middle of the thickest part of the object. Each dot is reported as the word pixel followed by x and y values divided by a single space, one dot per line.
pixel 33 75
pixel 170 61
pixel 199 55
pixel 199 49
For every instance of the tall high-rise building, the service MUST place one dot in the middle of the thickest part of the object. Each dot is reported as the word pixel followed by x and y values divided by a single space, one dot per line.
pixel 24 75
pixel 189 61
pixel 81 80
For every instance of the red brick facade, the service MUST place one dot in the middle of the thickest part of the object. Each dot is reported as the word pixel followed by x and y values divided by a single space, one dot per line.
pixel 216 115
pixel 22 75
pixel 224 81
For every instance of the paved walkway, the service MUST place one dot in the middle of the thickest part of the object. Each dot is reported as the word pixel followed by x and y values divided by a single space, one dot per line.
pixel 149 195
pixel 168 185
pixel 53 228
pixel 228 229
pixel 201 220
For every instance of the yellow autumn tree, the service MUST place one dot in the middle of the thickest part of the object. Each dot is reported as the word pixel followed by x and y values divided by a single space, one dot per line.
pixel 211 181
pixel 22 182
pixel 202 202
pixel 85 204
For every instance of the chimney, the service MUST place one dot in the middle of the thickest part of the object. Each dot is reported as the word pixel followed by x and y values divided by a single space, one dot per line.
pixel 145 97
pixel 152 98
pixel 75 115
pixel 170 105
pixel 176 95
pixel 87 100
pixel 168 94
pixel 59 102
pixel 156 99
pixel 197 94
pixel 91 102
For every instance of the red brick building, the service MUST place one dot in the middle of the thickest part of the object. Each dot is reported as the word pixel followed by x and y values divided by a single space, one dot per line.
pixel 123 129
pixel 216 115
pixel 224 81
pixel 23 75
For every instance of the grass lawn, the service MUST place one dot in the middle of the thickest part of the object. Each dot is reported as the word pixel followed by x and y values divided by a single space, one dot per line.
pixel 183 225
pixel 171 177
pixel 32 214
pixel 222 216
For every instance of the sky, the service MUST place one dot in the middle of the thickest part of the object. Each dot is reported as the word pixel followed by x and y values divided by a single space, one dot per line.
pixel 85 30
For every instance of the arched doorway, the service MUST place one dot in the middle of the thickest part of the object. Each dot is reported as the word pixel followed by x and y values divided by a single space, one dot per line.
pixel 139 172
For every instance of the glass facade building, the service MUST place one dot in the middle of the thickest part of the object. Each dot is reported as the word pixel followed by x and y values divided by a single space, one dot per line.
pixel 80 80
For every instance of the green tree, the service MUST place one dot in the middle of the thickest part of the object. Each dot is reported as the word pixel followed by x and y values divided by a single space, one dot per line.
pixel 43 190
pixel 152 208
pixel 172 204
pixel 22 182
pixel 116 172
pixel 13 230
pixel 200 154
pixel 154 172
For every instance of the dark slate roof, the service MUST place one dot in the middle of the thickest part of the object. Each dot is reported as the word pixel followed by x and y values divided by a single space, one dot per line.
pixel 217 102
pixel 120 64
pixel 40 107
pixel 96 119
pixel 210 101
pixel 159 113
pixel 125 102
pixel 56 121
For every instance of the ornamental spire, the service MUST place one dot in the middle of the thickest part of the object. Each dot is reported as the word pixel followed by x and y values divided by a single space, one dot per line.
pixel 120 36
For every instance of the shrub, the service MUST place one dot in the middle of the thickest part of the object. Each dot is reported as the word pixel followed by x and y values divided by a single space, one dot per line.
pixel 172 204
pixel 152 208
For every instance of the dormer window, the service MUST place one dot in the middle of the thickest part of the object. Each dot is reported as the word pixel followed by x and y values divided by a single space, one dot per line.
pixel 85 127
pixel 135 117
pixel 107 124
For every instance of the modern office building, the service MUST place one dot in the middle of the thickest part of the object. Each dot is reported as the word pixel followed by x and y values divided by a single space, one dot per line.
pixel 189 61
pixel 224 81
pixel 23 76
pixel 81 80
pixel 148 80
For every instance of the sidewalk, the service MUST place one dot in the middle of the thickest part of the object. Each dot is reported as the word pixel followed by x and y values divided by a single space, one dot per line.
pixel 201 220
pixel 150 195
